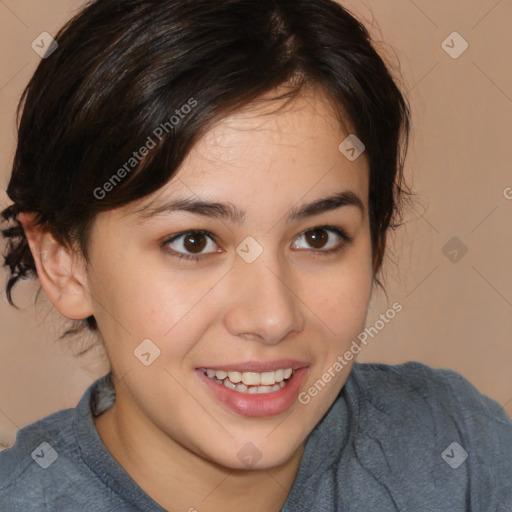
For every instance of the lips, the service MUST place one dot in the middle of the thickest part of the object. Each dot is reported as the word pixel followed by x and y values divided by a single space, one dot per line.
pixel 251 382
pixel 255 389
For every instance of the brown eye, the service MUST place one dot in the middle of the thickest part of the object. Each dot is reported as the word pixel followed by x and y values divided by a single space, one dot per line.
pixel 317 238
pixel 323 239
pixel 191 244
pixel 194 242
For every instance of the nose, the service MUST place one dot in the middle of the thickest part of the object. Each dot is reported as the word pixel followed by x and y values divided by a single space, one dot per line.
pixel 264 304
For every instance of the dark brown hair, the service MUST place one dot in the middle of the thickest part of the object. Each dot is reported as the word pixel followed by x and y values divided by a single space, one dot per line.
pixel 124 69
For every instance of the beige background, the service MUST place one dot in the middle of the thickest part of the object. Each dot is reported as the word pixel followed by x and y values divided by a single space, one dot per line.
pixel 455 315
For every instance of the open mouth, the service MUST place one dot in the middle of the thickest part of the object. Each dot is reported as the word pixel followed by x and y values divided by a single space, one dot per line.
pixel 251 382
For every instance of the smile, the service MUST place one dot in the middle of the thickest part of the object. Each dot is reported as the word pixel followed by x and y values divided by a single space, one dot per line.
pixel 251 382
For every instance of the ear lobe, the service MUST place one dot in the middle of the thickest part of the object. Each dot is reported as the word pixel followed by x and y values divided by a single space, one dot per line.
pixel 61 271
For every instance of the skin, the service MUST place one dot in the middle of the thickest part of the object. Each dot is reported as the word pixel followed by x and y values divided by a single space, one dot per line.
pixel 294 301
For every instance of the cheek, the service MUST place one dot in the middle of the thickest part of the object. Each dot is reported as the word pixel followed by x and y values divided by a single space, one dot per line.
pixel 163 306
pixel 343 303
pixel 341 298
pixel 172 308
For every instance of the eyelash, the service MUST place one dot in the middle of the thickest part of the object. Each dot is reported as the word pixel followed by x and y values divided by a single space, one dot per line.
pixel 338 231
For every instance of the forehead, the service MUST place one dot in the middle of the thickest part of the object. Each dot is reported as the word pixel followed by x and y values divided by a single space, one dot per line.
pixel 269 130
pixel 277 142
pixel 270 152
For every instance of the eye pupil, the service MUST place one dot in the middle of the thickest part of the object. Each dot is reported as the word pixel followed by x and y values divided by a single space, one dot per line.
pixel 197 241
pixel 317 238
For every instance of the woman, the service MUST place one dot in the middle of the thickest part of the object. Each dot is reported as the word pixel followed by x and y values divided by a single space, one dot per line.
pixel 208 186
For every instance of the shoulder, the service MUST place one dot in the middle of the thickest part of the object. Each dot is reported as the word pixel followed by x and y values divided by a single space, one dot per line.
pixel 45 469
pixel 423 386
pixel 25 468
pixel 435 399
pixel 433 429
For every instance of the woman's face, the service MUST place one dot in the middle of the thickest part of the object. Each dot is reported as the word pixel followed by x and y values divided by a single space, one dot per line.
pixel 268 285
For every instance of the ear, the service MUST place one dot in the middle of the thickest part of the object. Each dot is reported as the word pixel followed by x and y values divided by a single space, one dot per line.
pixel 61 271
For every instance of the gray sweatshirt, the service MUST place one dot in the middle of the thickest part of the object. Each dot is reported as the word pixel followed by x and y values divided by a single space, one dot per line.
pixel 397 438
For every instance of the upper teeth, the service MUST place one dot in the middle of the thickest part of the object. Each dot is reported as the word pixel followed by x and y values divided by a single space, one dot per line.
pixel 252 378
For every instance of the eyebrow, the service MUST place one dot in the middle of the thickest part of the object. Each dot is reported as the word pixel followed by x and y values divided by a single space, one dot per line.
pixel 231 212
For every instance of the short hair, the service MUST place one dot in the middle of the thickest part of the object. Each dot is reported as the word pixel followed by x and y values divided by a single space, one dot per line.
pixel 122 70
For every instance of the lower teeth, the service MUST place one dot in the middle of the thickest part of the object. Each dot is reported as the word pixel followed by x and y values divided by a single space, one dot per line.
pixel 251 390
